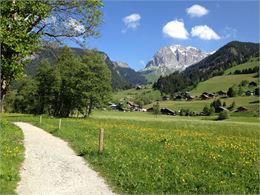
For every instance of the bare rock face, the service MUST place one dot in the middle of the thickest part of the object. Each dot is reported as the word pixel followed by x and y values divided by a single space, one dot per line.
pixel 173 58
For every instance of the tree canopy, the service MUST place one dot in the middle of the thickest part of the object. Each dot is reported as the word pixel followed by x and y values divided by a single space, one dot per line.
pixel 24 24
pixel 72 84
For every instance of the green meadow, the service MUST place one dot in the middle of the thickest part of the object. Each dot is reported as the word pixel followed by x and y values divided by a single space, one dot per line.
pixel 145 154
pixel 223 82
pixel 250 102
pixel 250 64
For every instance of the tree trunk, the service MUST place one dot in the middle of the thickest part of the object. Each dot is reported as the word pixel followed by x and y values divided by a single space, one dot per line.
pixel 89 108
pixel 2 103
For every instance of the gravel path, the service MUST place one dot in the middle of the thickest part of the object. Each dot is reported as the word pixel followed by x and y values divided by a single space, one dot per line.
pixel 52 168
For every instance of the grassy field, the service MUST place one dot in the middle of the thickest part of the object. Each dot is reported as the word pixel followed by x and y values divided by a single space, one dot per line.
pixel 251 64
pixel 221 83
pixel 12 155
pixel 132 94
pixel 225 81
pixel 250 102
pixel 144 154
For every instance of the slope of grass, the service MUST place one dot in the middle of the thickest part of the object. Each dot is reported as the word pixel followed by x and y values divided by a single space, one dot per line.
pixel 148 155
pixel 132 94
pixel 250 64
pixel 250 102
pixel 12 155
pixel 221 83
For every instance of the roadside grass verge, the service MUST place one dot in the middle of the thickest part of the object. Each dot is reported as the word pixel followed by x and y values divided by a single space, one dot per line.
pixel 159 155
pixel 12 156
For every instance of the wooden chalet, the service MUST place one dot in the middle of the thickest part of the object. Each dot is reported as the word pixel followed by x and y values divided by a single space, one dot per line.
pixel 167 111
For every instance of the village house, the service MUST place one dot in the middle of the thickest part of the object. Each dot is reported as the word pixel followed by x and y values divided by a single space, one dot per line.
pixel 252 83
pixel 241 109
pixel 221 108
pixel 133 106
pixel 221 93
pixel 165 98
pixel 206 96
pixel 167 111
pixel 249 93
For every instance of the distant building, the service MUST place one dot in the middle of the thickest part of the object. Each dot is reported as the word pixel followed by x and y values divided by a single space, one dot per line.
pixel 165 98
pixel 116 106
pixel 206 96
pixel 167 111
pixel 249 93
pixel 133 106
pixel 241 109
pixel 138 87
pixel 252 83
pixel 221 108
pixel 149 109
pixel 221 93
pixel 178 97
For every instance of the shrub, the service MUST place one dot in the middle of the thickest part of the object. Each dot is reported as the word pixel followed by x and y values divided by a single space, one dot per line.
pixel 208 111
pixel 232 92
pixel 216 104
pixel 187 112
pixel 232 106
pixel 211 110
pixel 223 115
pixel 244 83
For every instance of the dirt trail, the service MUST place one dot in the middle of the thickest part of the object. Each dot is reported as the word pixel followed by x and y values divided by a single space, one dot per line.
pixel 52 168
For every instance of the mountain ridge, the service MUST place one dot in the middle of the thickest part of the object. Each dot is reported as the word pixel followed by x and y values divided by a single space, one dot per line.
pixel 173 58
pixel 123 76
pixel 229 55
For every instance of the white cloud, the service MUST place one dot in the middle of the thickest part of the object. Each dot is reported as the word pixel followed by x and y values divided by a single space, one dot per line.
pixel 175 29
pixel 197 11
pixel 74 25
pixel 132 21
pixel 204 32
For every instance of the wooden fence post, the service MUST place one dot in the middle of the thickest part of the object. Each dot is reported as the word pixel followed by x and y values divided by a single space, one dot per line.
pixel 59 124
pixel 40 119
pixel 101 140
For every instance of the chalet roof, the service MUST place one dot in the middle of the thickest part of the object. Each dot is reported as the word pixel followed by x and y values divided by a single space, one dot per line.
pixel 130 103
pixel 168 111
pixel 221 108
pixel 241 109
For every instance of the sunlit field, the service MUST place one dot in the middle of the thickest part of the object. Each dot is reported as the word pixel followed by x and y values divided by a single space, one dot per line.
pixel 149 154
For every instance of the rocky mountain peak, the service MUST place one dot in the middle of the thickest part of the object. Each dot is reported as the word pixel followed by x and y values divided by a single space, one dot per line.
pixel 173 58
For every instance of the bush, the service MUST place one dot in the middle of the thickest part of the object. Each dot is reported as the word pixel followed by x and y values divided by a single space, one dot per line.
pixel 223 115
pixel 232 106
pixel 187 112
pixel 232 92
pixel 216 104
pixel 206 110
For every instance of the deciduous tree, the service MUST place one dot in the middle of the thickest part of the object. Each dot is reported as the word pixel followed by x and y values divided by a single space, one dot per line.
pixel 25 23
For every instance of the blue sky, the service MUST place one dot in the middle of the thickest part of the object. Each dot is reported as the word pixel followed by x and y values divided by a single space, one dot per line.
pixel 133 31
